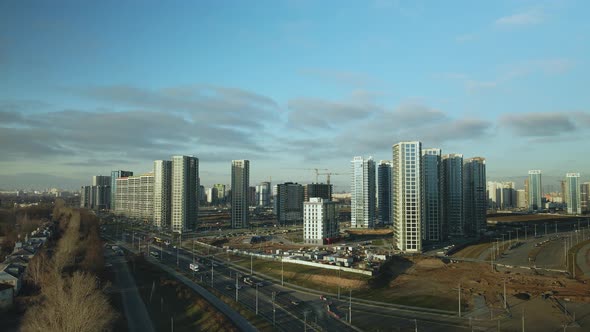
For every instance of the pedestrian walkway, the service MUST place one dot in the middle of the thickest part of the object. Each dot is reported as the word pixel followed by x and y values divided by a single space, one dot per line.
pixel 138 318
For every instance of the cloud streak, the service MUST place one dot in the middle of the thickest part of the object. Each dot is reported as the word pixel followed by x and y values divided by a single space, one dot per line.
pixel 531 17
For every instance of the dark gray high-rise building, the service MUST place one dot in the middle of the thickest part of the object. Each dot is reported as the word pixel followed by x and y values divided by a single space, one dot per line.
pixel 114 176
pixel 289 203
pixel 321 190
pixel 240 191
pixel 475 197
pixel 162 192
pixel 452 195
pixel 431 195
pixel 384 192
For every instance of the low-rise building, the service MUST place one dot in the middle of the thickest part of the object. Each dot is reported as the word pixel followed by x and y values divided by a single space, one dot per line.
pixel 6 296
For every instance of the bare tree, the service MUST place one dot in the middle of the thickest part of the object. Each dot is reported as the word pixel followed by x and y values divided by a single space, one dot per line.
pixel 37 269
pixel 71 304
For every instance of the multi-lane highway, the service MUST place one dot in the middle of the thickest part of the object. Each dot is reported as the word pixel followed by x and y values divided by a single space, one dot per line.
pixel 294 305
pixel 287 310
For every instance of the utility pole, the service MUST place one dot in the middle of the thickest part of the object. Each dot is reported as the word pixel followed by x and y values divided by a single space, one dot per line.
pixel 535 230
pixel 256 299
pixel 505 304
pixel 193 250
pixel 236 286
pixel 522 319
pixel 556 227
pixel 526 232
pixel 282 272
pixel 305 321
pixel 574 264
pixel 517 235
pixel 177 262
pixel 459 299
pixel 416 325
pixel 509 238
pixel 211 272
pixel 273 308
pixel 350 307
pixel 251 269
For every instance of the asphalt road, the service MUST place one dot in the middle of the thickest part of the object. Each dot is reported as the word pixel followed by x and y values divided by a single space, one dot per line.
pixel 290 317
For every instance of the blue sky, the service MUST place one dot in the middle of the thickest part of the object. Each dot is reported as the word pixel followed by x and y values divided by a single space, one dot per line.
pixel 89 87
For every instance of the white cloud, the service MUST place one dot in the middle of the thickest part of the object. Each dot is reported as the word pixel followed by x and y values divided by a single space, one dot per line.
pixel 531 17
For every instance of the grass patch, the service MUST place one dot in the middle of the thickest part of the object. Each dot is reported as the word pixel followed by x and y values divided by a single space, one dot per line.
pixel 166 298
pixel 300 275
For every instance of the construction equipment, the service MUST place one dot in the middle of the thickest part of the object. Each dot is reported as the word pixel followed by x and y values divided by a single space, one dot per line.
pixel 328 174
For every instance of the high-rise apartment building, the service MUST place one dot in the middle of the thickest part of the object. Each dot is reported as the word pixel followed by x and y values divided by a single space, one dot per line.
pixel 501 195
pixel 101 192
pixel 572 193
pixel 585 196
pixel 431 195
pixel 252 201
pixel 184 193
pixel 263 194
pixel 211 194
pixel 474 193
pixel 521 201
pixel 406 175
pixel 321 190
pixel 288 205
pixel 384 192
pixel 535 190
pixel 319 221
pixel 240 184
pixel 162 192
pixel 114 176
pixel 363 202
pixel 221 194
pixel 135 197
pixel 452 191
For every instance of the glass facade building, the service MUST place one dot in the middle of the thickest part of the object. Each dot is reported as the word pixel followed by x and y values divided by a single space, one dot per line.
pixel 431 195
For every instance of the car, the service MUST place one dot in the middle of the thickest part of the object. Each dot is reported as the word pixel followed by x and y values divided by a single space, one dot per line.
pixel 229 287
pixel 295 302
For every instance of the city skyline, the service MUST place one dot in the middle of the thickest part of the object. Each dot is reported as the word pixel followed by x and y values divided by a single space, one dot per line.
pixel 80 95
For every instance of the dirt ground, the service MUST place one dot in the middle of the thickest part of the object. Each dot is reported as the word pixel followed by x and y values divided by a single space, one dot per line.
pixel 433 276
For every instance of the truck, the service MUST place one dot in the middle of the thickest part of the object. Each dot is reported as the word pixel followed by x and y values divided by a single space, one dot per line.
pixel 194 267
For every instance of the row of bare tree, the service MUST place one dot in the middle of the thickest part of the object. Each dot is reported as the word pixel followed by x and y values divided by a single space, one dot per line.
pixel 70 296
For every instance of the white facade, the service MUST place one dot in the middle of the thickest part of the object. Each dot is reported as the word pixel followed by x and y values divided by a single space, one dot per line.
pixel 184 197
pixel 521 201
pixel 135 196
pixel 240 188
pixel 162 192
pixel 319 221
pixel 406 202
pixel 363 200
